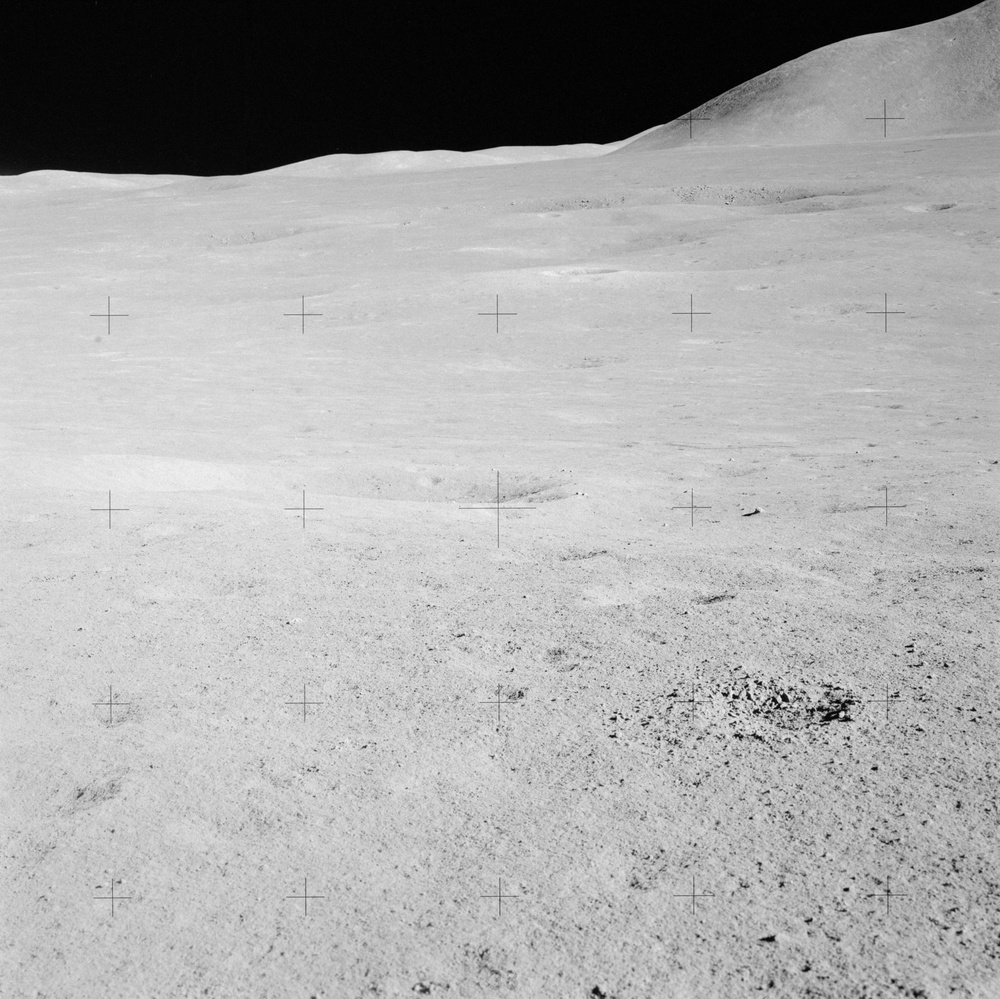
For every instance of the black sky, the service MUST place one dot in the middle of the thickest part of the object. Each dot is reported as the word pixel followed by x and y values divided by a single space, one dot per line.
pixel 232 86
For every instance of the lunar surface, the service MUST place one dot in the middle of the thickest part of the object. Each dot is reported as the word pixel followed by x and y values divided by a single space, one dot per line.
pixel 564 572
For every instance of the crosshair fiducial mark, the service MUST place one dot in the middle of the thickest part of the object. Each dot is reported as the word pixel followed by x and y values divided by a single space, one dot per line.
pixel 110 509
pixel 305 896
pixel 887 894
pixel 497 314
pixel 302 509
pixel 109 315
pixel 498 702
pixel 694 896
pixel 303 702
pixel 496 506
pixel 690 117
pixel 887 506
pixel 499 896
pixel 887 700
pixel 885 312
pixel 302 313
pixel 693 700
pixel 112 704
pixel 883 117
pixel 690 313
pixel 113 897
pixel 692 507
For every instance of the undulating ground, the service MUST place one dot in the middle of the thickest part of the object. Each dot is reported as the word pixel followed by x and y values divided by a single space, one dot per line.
pixel 693 749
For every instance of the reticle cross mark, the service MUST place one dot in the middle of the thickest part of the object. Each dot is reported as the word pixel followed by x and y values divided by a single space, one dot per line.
pixel 305 896
pixel 692 506
pixel 884 118
pixel 498 702
pixel 113 897
pixel 691 313
pixel 302 509
pixel 885 312
pixel 496 506
pixel 303 702
pixel 694 896
pixel 499 896
pixel 110 509
pixel 111 704
pixel 109 315
pixel 690 117
pixel 497 314
pixel 887 506
pixel 302 313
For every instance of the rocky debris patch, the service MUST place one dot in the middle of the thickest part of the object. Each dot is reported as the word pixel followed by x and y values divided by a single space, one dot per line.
pixel 715 599
pixel 647 868
pixel 578 556
pixel 561 659
pixel 745 707
pixel 787 706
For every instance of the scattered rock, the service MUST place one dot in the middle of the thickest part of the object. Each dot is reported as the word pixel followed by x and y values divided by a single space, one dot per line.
pixel 715 599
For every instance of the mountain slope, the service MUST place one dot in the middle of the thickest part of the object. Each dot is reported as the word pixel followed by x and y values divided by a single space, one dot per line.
pixel 939 78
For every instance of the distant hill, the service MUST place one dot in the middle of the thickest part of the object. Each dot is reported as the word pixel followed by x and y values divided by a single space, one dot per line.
pixel 939 78
pixel 426 161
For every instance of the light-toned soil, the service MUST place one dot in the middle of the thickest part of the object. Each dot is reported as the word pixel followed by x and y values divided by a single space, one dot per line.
pixel 782 793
